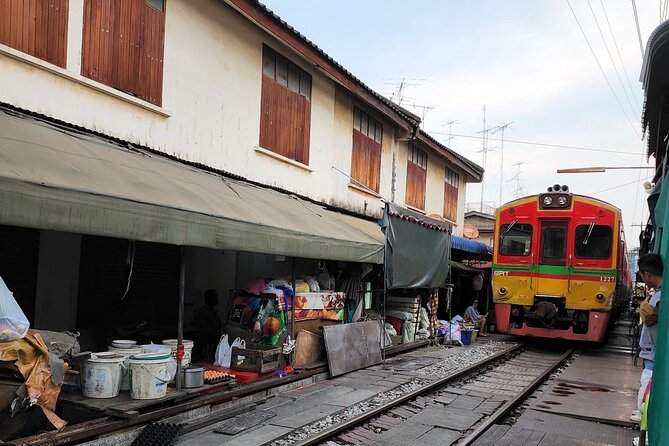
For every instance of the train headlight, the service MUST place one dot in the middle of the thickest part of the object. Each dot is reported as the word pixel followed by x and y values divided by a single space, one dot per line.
pixel 548 200
pixel 562 200
pixel 599 297
pixel 502 291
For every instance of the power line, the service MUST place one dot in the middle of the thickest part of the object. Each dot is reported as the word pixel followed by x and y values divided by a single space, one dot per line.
pixel 602 69
pixel 615 68
pixel 638 29
pixel 615 187
pixel 622 64
pixel 541 144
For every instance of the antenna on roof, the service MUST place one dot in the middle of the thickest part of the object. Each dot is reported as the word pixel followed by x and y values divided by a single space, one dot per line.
pixel 520 191
pixel 501 128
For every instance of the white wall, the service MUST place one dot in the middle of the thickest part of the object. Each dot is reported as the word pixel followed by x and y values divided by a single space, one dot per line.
pixel 211 96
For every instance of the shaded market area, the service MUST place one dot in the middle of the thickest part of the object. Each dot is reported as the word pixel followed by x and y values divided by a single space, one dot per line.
pixel 149 260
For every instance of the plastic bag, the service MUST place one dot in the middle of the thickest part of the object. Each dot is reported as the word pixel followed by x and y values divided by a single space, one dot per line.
pixel 13 322
pixel 223 352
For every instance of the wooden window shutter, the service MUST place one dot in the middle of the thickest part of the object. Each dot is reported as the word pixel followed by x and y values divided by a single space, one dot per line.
pixel 285 107
pixel 416 178
pixel 450 202
pixel 124 45
pixel 366 154
pixel 36 27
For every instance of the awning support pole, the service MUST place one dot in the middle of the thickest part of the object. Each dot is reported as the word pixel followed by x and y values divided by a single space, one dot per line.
pixel 180 324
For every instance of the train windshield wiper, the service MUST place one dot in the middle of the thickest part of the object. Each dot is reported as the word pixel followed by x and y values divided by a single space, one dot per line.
pixel 508 229
pixel 587 236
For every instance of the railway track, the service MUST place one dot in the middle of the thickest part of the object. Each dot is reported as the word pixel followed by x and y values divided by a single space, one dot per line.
pixel 461 406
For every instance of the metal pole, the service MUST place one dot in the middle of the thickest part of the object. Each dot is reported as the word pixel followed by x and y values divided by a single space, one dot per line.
pixel 180 326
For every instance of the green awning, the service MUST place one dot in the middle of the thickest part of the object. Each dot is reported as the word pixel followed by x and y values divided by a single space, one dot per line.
pixel 57 178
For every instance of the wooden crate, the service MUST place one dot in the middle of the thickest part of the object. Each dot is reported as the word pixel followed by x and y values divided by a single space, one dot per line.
pixel 259 361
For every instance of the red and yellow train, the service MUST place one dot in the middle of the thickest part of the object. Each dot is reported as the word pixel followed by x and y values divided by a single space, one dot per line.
pixel 559 266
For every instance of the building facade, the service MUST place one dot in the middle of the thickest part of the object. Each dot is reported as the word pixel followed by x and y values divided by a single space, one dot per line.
pixel 228 85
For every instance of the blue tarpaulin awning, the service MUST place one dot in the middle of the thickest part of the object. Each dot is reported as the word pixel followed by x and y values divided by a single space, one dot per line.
pixel 473 246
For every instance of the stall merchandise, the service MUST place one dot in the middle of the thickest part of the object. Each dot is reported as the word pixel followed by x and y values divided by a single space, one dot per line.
pixel 328 305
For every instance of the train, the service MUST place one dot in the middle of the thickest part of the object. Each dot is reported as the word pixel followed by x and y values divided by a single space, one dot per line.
pixel 559 266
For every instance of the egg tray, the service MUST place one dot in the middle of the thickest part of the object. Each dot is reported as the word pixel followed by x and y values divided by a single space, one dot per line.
pixel 218 380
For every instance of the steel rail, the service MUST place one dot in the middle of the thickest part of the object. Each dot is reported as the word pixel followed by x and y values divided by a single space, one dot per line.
pixel 327 433
pixel 511 404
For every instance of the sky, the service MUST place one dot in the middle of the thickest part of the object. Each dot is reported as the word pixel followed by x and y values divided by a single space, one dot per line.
pixel 528 63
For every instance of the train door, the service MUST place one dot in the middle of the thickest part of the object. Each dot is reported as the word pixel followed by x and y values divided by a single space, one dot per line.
pixel 552 261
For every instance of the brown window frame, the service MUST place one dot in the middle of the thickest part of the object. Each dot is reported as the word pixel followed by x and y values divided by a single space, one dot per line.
pixel 123 46
pixel 37 28
pixel 367 149
pixel 451 185
pixel 416 177
pixel 285 107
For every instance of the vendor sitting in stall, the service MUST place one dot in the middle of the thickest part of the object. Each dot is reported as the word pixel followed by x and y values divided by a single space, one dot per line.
pixel 209 326
pixel 472 314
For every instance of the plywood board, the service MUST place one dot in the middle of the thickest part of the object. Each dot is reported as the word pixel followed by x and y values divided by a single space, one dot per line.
pixel 352 346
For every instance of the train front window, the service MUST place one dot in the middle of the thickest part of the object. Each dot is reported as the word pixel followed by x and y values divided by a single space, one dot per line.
pixel 553 243
pixel 593 241
pixel 515 239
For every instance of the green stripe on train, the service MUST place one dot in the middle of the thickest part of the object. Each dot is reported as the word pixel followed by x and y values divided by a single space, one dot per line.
pixel 558 270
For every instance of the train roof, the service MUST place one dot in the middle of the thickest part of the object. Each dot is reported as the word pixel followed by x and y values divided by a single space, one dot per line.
pixel 534 197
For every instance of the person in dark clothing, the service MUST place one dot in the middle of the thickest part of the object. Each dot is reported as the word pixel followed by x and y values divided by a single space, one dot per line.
pixel 209 325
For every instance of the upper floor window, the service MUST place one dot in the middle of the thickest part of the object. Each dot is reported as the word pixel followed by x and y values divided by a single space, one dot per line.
pixel 37 28
pixel 123 46
pixel 451 182
pixel 285 108
pixel 416 177
pixel 366 158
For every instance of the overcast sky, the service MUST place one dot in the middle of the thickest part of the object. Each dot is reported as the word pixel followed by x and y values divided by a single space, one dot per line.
pixel 527 62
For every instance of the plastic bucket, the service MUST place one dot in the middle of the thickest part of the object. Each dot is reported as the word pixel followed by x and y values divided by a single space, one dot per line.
pixel 101 375
pixel 475 335
pixel 127 352
pixel 149 375
pixel 188 350
pixel 466 336
pixel 156 348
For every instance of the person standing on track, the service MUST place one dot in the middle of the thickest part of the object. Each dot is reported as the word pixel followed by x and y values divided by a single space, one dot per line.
pixel 472 314
pixel 650 270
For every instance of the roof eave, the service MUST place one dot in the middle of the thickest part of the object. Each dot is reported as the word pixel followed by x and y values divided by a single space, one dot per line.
pixel 473 172
pixel 265 19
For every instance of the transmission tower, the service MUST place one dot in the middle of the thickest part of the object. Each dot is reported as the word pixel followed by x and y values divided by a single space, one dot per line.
pixel 501 128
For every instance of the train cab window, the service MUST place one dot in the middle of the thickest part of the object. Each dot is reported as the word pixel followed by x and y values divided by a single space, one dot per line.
pixel 553 243
pixel 593 241
pixel 515 239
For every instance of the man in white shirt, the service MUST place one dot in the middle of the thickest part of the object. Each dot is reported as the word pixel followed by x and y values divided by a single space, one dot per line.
pixel 472 314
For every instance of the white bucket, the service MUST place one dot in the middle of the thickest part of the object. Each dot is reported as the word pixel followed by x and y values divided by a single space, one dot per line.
pixel 188 350
pixel 127 352
pixel 101 375
pixel 149 375
pixel 156 348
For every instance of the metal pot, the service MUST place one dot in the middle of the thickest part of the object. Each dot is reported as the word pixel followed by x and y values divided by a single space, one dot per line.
pixel 193 377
